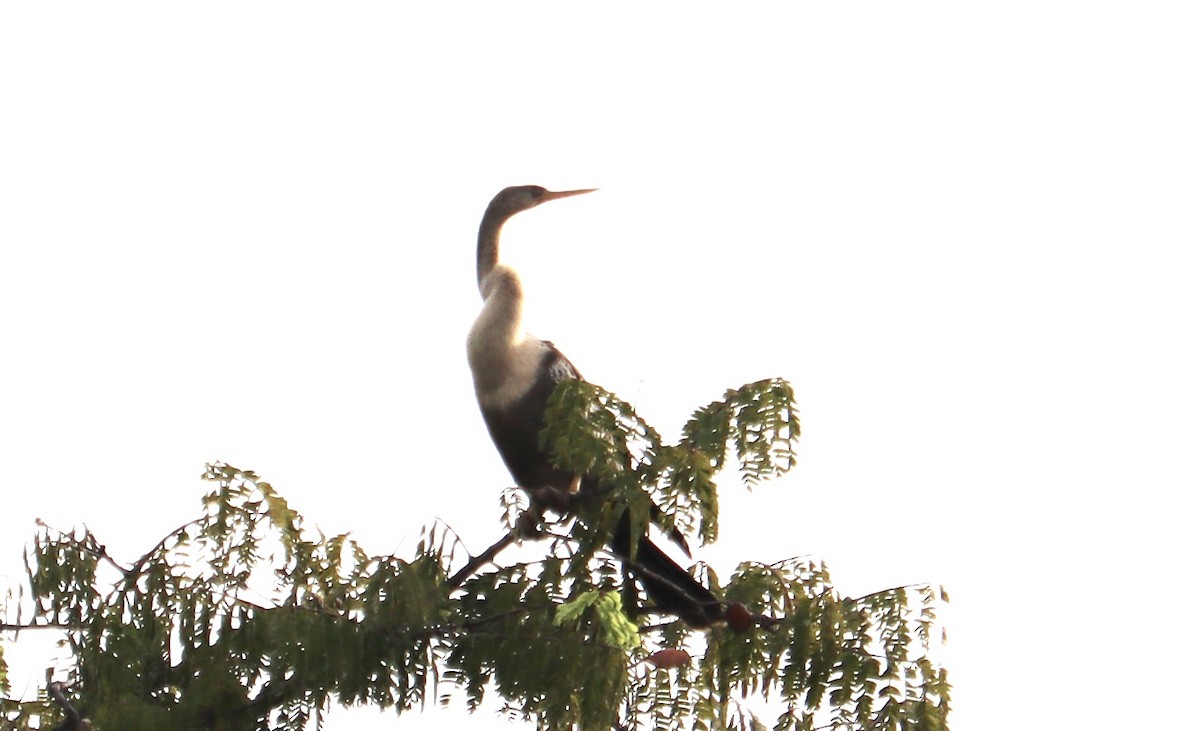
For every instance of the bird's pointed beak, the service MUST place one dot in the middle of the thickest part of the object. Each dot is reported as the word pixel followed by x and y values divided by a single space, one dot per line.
pixel 554 194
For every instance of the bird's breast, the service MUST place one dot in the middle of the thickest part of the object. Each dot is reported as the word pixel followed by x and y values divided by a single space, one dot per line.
pixel 504 372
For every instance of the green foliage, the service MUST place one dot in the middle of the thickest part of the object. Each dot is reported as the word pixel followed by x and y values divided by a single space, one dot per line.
pixel 829 661
pixel 618 630
pixel 248 619
pixel 594 432
pixel 183 640
pixel 562 669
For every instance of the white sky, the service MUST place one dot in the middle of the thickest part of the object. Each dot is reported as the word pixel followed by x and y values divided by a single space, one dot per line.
pixel 966 233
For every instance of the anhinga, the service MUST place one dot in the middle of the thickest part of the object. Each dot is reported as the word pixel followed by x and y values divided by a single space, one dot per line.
pixel 514 375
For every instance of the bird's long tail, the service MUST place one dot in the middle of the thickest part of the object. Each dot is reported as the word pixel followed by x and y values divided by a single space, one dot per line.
pixel 669 586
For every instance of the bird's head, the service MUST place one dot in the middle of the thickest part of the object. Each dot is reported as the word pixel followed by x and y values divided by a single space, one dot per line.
pixel 523 197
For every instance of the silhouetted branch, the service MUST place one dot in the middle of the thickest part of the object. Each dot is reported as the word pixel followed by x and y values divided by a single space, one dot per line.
pixel 465 572
pixel 71 720
pixel 7 627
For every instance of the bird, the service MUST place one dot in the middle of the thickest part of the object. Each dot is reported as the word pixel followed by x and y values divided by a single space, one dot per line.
pixel 514 374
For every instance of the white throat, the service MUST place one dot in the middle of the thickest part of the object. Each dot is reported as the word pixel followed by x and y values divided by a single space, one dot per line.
pixel 504 360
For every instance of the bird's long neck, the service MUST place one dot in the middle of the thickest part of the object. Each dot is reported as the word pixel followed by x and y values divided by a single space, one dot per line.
pixel 495 344
pixel 503 304
pixel 488 252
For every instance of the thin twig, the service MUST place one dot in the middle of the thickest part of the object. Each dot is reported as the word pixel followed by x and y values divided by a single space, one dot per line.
pixel 6 627
pixel 472 565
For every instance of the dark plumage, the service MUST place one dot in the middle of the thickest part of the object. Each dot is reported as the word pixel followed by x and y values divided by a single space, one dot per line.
pixel 508 426
pixel 514 375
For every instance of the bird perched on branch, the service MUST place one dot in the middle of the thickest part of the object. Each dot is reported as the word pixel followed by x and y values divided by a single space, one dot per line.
pixel 515 374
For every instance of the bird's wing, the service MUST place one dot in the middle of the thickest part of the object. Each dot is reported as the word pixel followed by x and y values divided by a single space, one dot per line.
pixel 559 367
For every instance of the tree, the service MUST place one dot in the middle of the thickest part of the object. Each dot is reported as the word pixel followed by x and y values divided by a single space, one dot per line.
pixel 182 637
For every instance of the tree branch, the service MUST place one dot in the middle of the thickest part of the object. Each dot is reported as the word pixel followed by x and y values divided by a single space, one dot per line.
pixel 7 627
pixel 473 565
pixel 72 720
